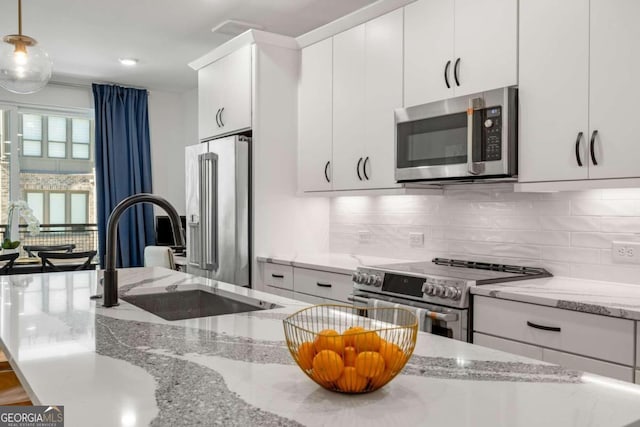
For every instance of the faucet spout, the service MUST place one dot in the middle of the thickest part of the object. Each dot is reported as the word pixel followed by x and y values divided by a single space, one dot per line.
pixel 110 281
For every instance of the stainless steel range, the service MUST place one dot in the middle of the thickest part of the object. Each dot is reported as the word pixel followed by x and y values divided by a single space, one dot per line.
pixel 438 291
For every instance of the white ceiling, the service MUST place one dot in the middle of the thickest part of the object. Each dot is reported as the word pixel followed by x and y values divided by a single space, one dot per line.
pixel 85 38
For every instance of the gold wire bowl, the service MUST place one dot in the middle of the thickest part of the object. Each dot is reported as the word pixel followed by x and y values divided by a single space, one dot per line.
pixel 327 345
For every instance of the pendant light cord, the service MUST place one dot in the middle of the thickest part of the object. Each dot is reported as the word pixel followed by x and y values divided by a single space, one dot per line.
pixel 20 17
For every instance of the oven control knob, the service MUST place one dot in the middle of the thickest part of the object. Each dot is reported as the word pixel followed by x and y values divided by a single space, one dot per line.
pixel 451 292
pixel 438 290
pixel 488 123
pixel 359 278
pixel 370 279
pixel 377 281
pixel 427 289
pixel 354 277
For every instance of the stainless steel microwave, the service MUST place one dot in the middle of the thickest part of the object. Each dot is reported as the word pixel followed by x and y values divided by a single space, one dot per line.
pixel 464 138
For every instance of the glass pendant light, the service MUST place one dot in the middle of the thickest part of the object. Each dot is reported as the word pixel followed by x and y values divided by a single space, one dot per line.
pixel 24 66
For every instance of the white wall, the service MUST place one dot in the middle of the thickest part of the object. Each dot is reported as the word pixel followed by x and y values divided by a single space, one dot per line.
pixel 570 233
pixel 173 123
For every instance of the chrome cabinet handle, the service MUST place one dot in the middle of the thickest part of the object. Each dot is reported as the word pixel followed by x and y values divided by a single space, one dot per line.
pixel 542 327
pixel 578 139
pixel 326 176
pixel 218 118
pixel 446 74
pixel 592 148
pixel 456 70
pixel 364 168
pixel 221 122
pixel 358 169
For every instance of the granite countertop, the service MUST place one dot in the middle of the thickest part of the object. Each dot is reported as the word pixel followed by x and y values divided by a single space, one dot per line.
pixel 588 296
pixel 123 366
pixel 333 262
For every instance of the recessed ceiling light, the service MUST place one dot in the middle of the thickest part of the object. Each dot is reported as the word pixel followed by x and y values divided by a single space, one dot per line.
pixel 129 62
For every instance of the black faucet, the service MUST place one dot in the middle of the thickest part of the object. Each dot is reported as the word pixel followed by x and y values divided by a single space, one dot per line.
pixel 110 281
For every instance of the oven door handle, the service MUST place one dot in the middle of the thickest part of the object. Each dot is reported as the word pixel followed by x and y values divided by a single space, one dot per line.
pixel 434 315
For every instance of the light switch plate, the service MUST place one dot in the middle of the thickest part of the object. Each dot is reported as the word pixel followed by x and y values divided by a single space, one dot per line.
pixel 625 252
pixel 416 240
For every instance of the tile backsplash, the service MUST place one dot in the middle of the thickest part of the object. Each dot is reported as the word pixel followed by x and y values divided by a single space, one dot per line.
pixel 569 233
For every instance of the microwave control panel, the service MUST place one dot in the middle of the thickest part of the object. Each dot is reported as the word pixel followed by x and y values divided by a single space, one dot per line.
pixel 492 133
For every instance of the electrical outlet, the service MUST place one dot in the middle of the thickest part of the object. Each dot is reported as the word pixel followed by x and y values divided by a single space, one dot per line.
pixel 416 240
pixel 364 236
pixel 625 252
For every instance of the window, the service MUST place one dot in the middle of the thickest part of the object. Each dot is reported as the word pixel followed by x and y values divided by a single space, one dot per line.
pixel 31 135
pixel 81 138
pixel 57 137
pixel 59 207
pixel 64 138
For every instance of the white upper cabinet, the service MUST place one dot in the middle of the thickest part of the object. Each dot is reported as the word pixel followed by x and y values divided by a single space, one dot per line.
pixel 315 117
pixel 428 51
pixel 615 88
pixel 459 47
pixel 383 94
pixel 578 84
pixel 554 90
pixel 349 67
pixel 367 77
pixel 224 95
pixel 486 45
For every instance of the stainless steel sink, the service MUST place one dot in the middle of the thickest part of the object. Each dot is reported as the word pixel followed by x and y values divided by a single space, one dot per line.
pixel 190 304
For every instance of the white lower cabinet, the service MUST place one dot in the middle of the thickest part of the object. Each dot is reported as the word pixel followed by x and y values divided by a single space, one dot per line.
pixel 304 284
pixel 526 350
pixel 587 342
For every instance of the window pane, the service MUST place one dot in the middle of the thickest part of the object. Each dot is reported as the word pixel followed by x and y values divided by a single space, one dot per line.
pixel 31 148
pixel 78 208
pixel 57 149
pixel 81 131
pixel 80 151
pixel 57 214
pixel 36 203
pixel 32 127
pixel 57 129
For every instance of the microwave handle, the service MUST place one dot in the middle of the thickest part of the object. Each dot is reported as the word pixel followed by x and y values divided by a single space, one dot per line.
pixel 472 167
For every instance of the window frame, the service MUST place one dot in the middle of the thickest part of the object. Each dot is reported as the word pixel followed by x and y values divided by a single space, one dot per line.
pixel 67 204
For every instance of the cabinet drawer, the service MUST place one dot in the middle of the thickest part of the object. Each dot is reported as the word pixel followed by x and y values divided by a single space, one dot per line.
pixel 571 361
pixel 279 276
pixel 526 350
pixel 591 335
pixel 322 284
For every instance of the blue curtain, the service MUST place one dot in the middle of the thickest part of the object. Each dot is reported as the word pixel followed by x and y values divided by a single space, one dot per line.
pixel 123 168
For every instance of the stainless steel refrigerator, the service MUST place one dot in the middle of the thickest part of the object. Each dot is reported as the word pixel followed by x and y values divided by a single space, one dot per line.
pixel 218 192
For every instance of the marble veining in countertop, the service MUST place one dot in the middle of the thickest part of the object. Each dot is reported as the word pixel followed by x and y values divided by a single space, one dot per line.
pixel 333 262
pixel 587 296
pixel 135 369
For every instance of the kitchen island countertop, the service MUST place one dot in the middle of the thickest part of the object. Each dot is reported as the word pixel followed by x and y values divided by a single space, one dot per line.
pixel 126 367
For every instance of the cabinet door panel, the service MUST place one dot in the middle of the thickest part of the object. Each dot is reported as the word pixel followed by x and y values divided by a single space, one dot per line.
pixel 237 91
pixel 383 94
pixel 615 86
pixel 571 361
pixel 315 137
pixel 428 46
pixel 348 108
pixel 486 41
pixel 553 90
pixel 210 94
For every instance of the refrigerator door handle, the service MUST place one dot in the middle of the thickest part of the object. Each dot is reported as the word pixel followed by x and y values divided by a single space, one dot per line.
pixel 202 184
pixel 210 229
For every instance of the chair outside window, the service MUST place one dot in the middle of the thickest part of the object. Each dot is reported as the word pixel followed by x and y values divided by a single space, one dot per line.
pixel 55 261
pixel 6 262
pixel 32 250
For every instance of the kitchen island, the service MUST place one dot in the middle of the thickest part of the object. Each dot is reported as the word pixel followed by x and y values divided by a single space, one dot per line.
pixel 124 366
